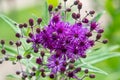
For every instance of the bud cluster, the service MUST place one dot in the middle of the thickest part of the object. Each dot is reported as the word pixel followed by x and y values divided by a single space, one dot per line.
pixel 56 47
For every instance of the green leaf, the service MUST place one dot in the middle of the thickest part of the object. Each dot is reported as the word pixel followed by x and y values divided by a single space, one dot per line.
pixel 100 57
pixel 93 69
pixel 10 50
pixel 13 77
pixel 28 51
pixel 10 22
pixel 98 16
pixel 102 54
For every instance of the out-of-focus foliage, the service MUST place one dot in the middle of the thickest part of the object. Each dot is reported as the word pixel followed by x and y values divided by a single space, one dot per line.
pixel 113 29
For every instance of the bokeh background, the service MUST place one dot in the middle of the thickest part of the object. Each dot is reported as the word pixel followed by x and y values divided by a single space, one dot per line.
pixel 21 10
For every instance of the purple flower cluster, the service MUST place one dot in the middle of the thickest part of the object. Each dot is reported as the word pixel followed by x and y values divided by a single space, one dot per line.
pixel 64 40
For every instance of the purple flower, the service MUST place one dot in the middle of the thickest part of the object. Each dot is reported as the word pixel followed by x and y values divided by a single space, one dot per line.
pixel 55 63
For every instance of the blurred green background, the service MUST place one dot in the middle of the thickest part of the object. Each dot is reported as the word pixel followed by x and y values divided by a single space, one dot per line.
pixel 112 27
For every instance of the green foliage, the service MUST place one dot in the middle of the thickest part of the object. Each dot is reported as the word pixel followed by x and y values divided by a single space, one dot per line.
pixel 113 29
pixel 94 56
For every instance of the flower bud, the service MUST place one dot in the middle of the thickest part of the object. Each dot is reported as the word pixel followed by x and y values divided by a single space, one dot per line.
pixel 38 30
pixel 18 35
pixel 51 75
pixel 2 42
pixel 50 8
pixel 39 61
pixel 3 51
pixel 21 26
pixel 68 9
pixel 31 22
pixel 25 25
pixel 39 20
pixel 79 5
pixel 86 71
pixel 76 2
pixel 92 76
pixel 19 57
pixel 11 42
pixel 92 12
pixel 105 41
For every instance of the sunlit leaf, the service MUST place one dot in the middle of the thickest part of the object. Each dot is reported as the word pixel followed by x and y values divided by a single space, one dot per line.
pixel 10 50
pixel 98 16
pixel 13 77
pixel 10 22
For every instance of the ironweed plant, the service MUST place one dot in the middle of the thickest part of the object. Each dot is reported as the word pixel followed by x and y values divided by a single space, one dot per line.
pixel 57 49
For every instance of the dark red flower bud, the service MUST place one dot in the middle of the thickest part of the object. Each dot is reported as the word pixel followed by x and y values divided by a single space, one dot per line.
pixel 51 75
pixel 19 57
pixel 18 35
pixel 83 55
pixel 3 51
pixel 42 53
pixel 21 25
pixel 18 43
pixel 59 6
pixel 11 43
pixel 93 25
pixel 68 9
pixel 74 15
pixel 30 35
pixel 2 42
pixel 86 71
pixel 33 69
pixel 77 69
pixel 85 20
pixel 92 76
pixel 28 56
pixel 105 41
pixel 79 5
pixel 31 22
pixel 39 61
pixel 38 30
pixel 89 34
pixel 50 8
pixel 76 2
pixel 62 69
pixel 36 50
pixel 42 70
pixel 43 74
pixel 28 40
pixel 98 36
pixel 72 60
pixel 18 72
pixel 70 74
pixel 100 31
pixel 78 15
pixel 92 12
pixel 25 25
pixel 39 20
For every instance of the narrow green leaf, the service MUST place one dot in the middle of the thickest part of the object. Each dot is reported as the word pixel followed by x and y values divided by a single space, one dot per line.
pixel 98 16
pixel 93 69
pixel 13 76
pixel 10 22
pixel 10 50
pixel 100 57
pixel 28 51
